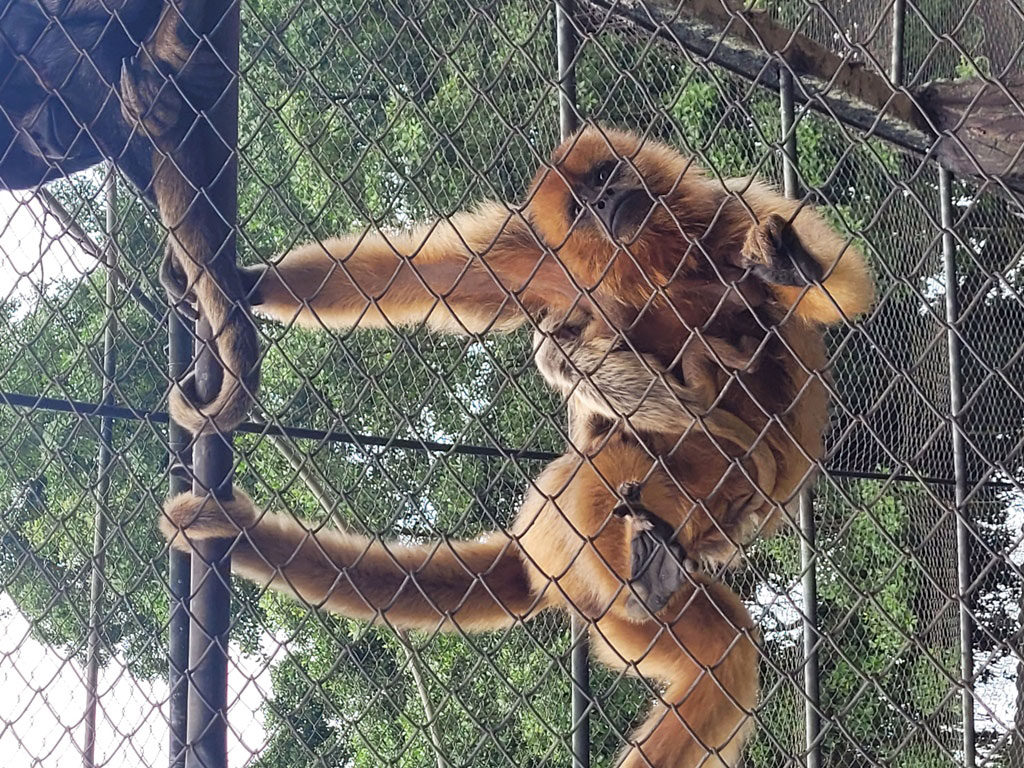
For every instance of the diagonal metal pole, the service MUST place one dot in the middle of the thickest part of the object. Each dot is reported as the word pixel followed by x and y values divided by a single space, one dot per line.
pixel 104 466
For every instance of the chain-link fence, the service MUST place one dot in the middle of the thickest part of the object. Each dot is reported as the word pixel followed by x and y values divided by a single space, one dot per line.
pixel 448 537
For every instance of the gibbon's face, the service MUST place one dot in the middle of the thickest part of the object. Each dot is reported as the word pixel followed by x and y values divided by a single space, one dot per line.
pixel 607 190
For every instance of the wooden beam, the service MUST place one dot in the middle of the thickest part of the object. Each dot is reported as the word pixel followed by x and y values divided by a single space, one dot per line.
pixel 751 44
pixel 981 126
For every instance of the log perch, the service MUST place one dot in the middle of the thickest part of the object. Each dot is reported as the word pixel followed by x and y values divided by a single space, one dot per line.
pixel 973 127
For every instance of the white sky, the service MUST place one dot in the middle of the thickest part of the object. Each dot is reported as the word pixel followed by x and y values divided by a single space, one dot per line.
pixel 43 701
pixel 29 258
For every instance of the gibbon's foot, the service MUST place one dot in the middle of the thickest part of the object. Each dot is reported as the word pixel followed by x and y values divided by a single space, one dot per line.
pixel 773 252
pixel 659 563
pixel 217 417
pixel 173 69
pixel 236 345
pixel 188 517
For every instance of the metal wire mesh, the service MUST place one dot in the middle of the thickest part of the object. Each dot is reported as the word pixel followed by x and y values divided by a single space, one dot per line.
pixel 357 117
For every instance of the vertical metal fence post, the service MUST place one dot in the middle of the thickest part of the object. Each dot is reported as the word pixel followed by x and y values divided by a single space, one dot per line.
pixel 963 539
pixel 212 455
pixel 787 119
pixel 179 355
pixel 180 333
pixel 808 555
pixel 896 65
pixel 565 34
pixel 104 466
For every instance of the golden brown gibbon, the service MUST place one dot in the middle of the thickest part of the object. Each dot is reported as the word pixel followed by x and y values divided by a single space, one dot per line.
pixel 701 304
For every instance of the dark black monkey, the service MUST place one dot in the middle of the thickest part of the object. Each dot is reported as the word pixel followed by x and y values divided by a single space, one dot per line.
pixel 60 63
pixel 125 80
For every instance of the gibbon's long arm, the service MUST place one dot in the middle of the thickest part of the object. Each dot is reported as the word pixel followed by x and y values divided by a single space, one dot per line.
pixel 184 168
pixel 455 585
pixel 471 273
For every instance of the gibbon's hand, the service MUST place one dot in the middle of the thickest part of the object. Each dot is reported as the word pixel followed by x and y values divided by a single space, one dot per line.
pixel 180 294
pixel 659 562
pixel 251 276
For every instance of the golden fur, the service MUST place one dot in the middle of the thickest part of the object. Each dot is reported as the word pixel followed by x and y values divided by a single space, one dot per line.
pixel 683 372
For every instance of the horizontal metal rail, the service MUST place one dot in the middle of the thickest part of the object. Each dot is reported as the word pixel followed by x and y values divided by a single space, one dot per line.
pixel 86 409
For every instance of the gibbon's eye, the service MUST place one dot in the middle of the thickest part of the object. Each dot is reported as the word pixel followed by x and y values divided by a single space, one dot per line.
pixel 567 332
pixel 573 209
pixel 603 172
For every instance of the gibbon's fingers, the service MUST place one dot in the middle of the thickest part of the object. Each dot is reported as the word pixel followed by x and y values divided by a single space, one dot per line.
pixel 173 69
pixel 471 273
pixel 179 293
pixel 473 585
pixel 745 517
pixel 706 656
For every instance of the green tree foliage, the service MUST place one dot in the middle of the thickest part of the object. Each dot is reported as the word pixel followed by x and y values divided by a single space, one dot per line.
pixel 361 116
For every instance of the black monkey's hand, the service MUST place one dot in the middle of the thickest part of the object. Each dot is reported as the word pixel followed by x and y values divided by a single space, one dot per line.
pixel 174 75
pixel 251 277
pixel 659 563
pixel 182 296
pixel 773 252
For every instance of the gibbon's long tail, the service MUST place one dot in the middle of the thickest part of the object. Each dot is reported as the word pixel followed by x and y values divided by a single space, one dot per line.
pixel 472 585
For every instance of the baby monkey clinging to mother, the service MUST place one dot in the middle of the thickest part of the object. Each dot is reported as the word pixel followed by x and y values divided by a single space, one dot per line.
pixel 682 319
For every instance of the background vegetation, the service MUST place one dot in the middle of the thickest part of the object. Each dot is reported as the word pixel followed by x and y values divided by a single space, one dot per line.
pixel 364 115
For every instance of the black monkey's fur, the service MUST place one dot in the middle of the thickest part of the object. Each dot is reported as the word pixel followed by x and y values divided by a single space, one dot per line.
pixel 60 62
pixel 126 80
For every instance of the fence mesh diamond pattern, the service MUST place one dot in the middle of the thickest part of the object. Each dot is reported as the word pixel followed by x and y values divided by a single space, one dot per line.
pixel 391 607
